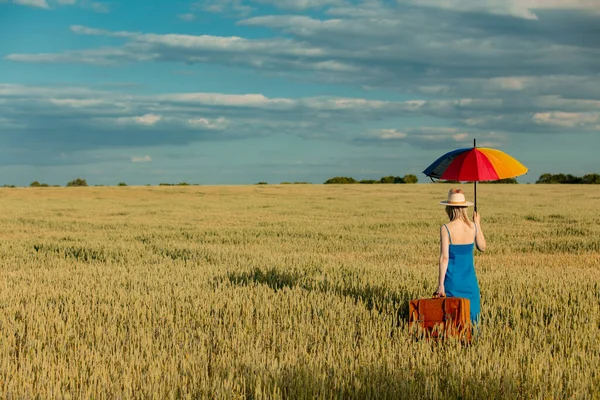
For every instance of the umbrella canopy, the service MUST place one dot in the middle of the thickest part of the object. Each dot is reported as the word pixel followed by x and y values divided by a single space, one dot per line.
pixel 475 164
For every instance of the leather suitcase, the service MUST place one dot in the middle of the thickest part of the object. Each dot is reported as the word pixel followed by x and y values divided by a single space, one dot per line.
pixel 442 317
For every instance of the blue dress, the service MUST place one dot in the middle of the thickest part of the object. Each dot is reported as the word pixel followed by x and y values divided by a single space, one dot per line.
pixel 460 280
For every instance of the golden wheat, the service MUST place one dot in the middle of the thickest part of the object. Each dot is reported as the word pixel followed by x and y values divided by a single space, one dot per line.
pixel 290 292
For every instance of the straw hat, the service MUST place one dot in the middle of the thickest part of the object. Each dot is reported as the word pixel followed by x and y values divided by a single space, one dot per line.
pixel 456 198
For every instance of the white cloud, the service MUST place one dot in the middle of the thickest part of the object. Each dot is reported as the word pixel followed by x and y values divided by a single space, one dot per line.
pixel 231 7
pixel 509 83
pixel 146 119
pixel 428 137
pixel 233 100
pixel 32 3
pixel 567 104
pixel 433 89
pixel 187 17
pixel 302 4
pixel 15 90
pixel 517 8
pixel 484 121
pixel 95 6
pixel 83 30
pixel 98 7
pixel 205 123
pixel 103 56
pixel 144 159
pixel 76 103
pixel 113 117
pixel 460 137
pixel 567 119
pixel 390 134
pixel 194 49
pixel 389 50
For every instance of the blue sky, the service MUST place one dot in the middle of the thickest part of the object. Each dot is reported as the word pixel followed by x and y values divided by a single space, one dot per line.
pixel 240 91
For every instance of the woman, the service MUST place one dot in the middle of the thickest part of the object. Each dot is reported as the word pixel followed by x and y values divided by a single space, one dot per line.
pixel 457 238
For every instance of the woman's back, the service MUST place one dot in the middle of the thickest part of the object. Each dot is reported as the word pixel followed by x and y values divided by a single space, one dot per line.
pixel 460 232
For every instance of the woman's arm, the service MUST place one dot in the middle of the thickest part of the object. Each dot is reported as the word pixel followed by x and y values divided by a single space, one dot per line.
pixel 480 238
pixel 443 266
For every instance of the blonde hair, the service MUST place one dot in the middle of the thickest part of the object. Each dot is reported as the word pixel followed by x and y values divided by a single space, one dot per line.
pixel 458 213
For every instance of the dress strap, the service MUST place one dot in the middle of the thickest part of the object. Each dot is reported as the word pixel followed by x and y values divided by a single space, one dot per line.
pixel 449 237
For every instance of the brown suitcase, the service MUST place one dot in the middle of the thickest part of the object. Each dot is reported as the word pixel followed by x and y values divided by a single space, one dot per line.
pixel 442 316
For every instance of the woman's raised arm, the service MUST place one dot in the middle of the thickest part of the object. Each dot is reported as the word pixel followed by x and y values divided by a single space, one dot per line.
pixel 480 242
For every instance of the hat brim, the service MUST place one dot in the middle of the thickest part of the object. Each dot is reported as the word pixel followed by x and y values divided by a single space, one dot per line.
pixel 465 204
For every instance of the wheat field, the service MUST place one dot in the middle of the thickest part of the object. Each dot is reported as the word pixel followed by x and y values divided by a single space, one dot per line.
pixel 291 291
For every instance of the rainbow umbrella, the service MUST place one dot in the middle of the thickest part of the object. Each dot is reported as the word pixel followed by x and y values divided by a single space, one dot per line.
pixel 475 164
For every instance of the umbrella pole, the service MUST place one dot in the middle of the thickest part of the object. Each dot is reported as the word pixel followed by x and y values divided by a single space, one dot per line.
pixel 475 182
pixel 475 186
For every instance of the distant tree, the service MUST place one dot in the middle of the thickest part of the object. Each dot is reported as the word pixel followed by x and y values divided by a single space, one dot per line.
pixel 340 180
pixel 262 183
pixel 565 178
pixel 77 182
pixel 165 184
pixel 368 181
pixel 558 178
pixel 183 184
pixel 410 178
pixel 573 179
pixel 545 178
pixel 591 179
pixel 122 184
pixel 302 183
pixel 8 186
pixel 391 179
pixel 285 183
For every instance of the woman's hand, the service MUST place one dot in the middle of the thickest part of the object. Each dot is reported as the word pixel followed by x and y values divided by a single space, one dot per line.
pixel 476 218
pixel 440 292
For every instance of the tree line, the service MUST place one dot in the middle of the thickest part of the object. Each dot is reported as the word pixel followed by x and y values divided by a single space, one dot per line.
pixel 545 178
pixel 82 182
pixel 568 178
pixel 74 182
pixel 386 179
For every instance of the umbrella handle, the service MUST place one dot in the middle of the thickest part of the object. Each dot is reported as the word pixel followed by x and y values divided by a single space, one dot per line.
pixel 475 196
